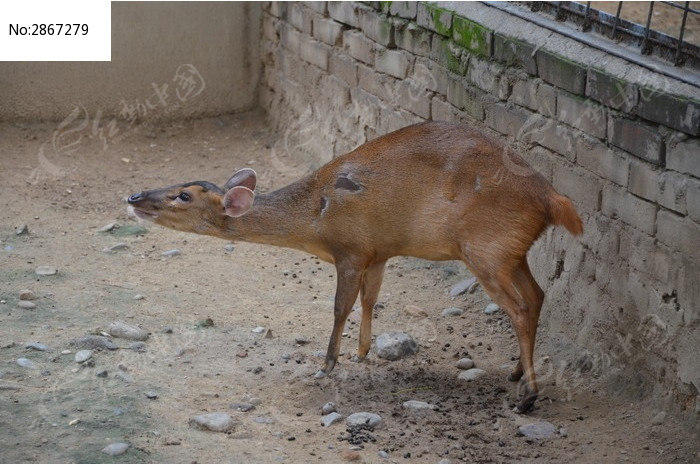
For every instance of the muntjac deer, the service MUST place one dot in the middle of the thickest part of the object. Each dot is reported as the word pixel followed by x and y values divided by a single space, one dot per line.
pixel 438 191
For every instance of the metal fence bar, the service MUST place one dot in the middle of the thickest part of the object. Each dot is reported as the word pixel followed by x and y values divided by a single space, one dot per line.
pixel 617 20
pixel 677 60
pixel 646 48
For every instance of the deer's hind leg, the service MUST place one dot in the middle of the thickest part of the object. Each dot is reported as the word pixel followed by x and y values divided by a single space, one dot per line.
pixel 369 291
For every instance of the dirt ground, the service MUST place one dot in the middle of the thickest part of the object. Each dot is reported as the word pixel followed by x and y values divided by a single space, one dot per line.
pixel 62 412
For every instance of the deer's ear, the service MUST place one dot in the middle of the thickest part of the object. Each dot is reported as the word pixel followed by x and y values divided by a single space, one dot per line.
pixel 238 201
pixel 245 178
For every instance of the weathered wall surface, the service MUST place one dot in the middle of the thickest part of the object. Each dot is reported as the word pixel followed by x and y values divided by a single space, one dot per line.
pixel 169 59
pixel 622 301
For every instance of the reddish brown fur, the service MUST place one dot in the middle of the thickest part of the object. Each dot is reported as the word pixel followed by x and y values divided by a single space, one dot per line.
pixel 437 191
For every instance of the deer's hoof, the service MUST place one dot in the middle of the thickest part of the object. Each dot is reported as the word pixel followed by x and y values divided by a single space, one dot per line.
pixel 320 374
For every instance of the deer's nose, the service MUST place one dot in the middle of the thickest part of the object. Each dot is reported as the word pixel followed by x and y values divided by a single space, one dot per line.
pixel 136 197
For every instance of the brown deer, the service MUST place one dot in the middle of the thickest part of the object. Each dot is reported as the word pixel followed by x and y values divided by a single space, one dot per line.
pixel 437 190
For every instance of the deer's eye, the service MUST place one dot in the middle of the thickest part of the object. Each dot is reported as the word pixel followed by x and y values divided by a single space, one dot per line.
pixel 184 196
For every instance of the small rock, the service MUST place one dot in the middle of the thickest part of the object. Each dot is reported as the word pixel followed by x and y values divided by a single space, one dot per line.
pixel 108 228
pixel 537 430
pixel 465 363
pixel 36 346
pixel 268 334
pixel 471 374
pixel 151 395
pixel 415 311
pixel 215 421
pixel 82 356
pixel 350 456
pixel 659 418
pixel 258 330
pixel 116 247
pixel 24 304
pixel 229 247
pixel 328 408
pixel 139 347
pixel 462 287
pixel 395 345
pixel 383 454
pixel 27 295
pixel 563 432
pixel 115 449
pixel 263 420
pixel 243 407
pixel 444 461
pixel 94 342
pixel 22 230
pixel 45 271
pixel 301 341
pixel 447 312
pixel 491 308
pixel 124 376
pixel 413 404
pixel 171 253
pixel 66 352
pixel 129 229
pixel 203 323
pixel 331 418
pixel 101 373
pixel 24 362
pixel 365 419
pixel 138 297
pixel 130 332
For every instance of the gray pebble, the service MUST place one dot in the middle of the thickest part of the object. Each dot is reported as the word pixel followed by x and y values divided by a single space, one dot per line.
pixel 101 373
pixel 537 430
pixel 395 345
pixel 24 362
pixel 130 332
pixel 444 461
pixel 563 432
pixel 263 420
pixel 115 449
pixel 301 341
pixel 118 411
pixel 24 304
pixel 447 312
pixel 94 342
pixel 229 247
pixel 465 363
pixel 367 419
pixel 659 418
pixel 462 287
pixel 171 253
pixel 286 356
pixel 413 404
pixel 328 408
pixel 138 297
pixel 108 228
pixel 23 230
pixel 139 347
pixel 151 395
pixel 331 418
pixel 116 247
pixel 471 374
pixel 258 330
pixel 27 295
pixel 45 271
pixel 243 407
pixel 82 356
pixel 383 454
pixel 36 346
pixel 124 376
pixel 491 308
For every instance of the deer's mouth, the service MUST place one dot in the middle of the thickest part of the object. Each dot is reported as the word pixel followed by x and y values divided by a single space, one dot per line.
pixel 142 214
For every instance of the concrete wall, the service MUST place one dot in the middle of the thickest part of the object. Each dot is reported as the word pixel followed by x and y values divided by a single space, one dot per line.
pixel 622 301
pixel 150 41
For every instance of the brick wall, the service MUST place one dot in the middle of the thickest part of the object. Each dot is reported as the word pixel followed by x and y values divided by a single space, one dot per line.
pixel 622 301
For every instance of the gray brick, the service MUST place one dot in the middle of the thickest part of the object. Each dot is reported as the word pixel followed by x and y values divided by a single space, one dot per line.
pixel 434 18
pixel 367 107
pixel 393 62
pixel 637 138
pixel 465 98
pixel 336 90
pixel 291 66
pixel 289 38
pixel 582 113
pixel 343 67
pixel 298 17
pixel 506 119
pixel 611 91
pixel 379 85
pixel 431 75
pixel 472 36
pixel 578 184
pixel 314 52
pixel 680 113
pixel 484 75
pixel 442 110
pixel 651 258
pixel 377 27
pixel 319 7
pixel 678 232
pixel 392 119
pixel 405 10
pixel 693 199
pixel 270 28
pixel 684 157
pixel 550 134
pixel 278 9
pixel 328 31
pixel 513 52
pixel 413 97
pixel 450 55
pixel 619 204
pixel 541 160
pixel 561 72
pixel 601 160
pixel 535 95
pixel 344 12
pixel 413 38
pixel 359 46
pixel 667 188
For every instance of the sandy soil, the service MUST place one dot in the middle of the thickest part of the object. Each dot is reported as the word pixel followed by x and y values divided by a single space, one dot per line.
pixel 61 412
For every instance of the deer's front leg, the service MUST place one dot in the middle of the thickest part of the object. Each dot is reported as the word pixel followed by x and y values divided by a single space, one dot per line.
pixel 349 279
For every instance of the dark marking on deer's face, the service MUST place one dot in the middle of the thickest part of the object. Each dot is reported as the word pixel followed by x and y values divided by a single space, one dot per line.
pixel 344 183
